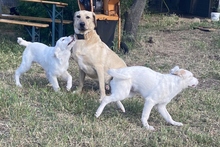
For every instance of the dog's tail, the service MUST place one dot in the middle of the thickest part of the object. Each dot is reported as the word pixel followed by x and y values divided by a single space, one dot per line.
pixel 23 42
pixel 116 74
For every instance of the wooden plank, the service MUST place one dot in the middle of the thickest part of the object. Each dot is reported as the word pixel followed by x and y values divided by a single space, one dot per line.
pixel 40 25
pixel 59 4
pixel 101 16
pixel 106 17
pixel 7 16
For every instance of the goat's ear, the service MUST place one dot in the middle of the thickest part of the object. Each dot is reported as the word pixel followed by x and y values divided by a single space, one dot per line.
pixel 94 19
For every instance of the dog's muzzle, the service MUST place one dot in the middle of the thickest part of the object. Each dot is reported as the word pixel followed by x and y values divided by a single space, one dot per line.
pixel 73 39
pixel 82 26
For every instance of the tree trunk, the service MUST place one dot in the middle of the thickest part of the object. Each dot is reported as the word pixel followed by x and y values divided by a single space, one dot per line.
pixel 132 18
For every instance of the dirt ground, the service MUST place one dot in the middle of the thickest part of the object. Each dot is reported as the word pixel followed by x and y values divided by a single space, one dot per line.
pixel 193 49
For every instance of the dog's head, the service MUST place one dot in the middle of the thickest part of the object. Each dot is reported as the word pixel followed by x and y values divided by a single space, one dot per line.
pixel 84 21
pixel 65 43
pixel 186 75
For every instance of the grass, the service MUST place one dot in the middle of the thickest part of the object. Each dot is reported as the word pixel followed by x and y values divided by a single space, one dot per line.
pixel 37 116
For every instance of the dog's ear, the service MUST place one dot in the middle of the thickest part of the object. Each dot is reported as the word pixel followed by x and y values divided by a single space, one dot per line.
pixel 177 71
pixel 94 19
pixel 180 73
pixel 174 70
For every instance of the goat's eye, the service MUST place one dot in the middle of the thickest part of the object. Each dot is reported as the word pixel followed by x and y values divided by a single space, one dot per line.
pixel 63 39
pixel 87 17
pixel 78 16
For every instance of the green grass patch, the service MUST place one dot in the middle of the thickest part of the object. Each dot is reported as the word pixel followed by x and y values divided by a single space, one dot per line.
pixel 35 115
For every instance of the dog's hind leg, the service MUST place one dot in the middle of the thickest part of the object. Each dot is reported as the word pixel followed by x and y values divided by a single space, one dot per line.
pixel 66 76
pixel 24 67
pixel 104 102
pixel 163 111
pixel 120 90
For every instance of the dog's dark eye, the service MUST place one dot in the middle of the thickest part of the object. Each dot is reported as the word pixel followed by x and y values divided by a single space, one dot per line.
pixel 87 17
pixel 63 39
pixel 78 16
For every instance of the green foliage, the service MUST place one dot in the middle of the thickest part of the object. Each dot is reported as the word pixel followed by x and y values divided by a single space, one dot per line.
pixel 38 10
pixel 126 5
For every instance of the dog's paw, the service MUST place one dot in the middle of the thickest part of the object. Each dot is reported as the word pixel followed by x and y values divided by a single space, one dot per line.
pixel 56 89
pixel 120 105
pixel 76 92
pixel 147 126
pixel 177 123
pixel 19 85
pixel 150 128
pixel 97 114
pixel 68 88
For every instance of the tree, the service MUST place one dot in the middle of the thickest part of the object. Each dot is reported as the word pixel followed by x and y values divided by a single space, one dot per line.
pixel 132 18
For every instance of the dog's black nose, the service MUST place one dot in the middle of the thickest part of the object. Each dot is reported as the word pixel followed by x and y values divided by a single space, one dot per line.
pixel 82 24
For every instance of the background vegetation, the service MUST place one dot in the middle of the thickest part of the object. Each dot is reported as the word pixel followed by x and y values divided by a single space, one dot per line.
pixel 37 116
pixel 36 9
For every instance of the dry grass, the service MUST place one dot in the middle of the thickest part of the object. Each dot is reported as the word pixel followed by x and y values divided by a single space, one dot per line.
pixel 37 116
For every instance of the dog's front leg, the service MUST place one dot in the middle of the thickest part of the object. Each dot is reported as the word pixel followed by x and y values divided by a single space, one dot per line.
pixel 149 104
pixel 82 76
pixel 163 111
pixel 53 81
pixel 101 77
pixel 66 76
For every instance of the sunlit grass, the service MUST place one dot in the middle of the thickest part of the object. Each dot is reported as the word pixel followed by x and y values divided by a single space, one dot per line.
pixel 37 116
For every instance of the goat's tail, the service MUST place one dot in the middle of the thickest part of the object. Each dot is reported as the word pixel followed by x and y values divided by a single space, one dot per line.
pixel 116 74
pixel 23 42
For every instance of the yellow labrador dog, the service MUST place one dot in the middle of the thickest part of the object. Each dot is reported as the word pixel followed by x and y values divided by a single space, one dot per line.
pixel 93 56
